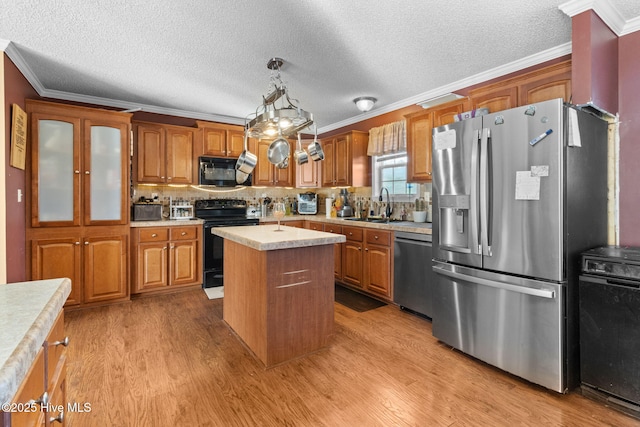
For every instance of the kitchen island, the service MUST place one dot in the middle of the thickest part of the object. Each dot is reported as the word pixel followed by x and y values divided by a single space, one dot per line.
pixel 279 289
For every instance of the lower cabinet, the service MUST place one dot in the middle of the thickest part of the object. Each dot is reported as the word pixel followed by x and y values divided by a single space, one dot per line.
pixel 367 261
pixel 41 398
pixel 165 257
pixel 95 259
pixel 337 250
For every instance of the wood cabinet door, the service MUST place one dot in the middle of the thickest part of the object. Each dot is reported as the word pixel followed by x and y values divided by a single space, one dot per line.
pixel 263 173
pixel 55 170
pixel 377 269
pixel 546 88
pixel 58 257
pixel 152 265
pixel 105 267
pixel 214 142
pixel 352 263
pixel 235 143
pixel 446 113
pixel 183 263
pixel 342 160
pixel 284 177
pixel 179 151
pixel 151 158
pixel 105 173
pixel 419 127
pixel 328 164
pixel 307 175
pixel 337 250
pixel 495 97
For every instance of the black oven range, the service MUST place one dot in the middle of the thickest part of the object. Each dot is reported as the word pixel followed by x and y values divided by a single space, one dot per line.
pixel 218 213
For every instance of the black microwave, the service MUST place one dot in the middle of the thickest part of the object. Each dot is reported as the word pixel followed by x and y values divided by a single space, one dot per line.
pixel 219 171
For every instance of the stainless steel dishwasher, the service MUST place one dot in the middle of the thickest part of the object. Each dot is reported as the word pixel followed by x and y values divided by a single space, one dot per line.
pixel 413 276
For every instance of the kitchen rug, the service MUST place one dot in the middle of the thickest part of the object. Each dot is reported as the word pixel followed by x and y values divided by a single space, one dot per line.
pixel 355 300
pixel 214 293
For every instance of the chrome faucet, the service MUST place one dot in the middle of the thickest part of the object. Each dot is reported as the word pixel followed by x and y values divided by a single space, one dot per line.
pixel 388 210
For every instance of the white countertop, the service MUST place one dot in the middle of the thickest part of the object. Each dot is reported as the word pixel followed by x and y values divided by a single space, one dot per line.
pixel 27 313
pixel 266 238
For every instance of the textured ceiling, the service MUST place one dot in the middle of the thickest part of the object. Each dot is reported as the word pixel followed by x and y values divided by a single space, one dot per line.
pixel 207 59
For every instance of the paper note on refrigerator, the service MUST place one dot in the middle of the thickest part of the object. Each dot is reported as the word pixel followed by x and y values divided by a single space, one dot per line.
pixel 527 186
pixel 444 140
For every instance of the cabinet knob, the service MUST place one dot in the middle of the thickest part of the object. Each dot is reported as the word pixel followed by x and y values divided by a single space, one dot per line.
pixel 59 418
pixel 375 237
pixel 164 249
pixel 64 342
pixel 154 235
pixel 350 234
pixel 86 172
pixel 366 249
pixel 86 243
pixel 168 177
pixel 43 400
pixel 77 243
pixel 76 171
pixel 359 249
pixel 184 233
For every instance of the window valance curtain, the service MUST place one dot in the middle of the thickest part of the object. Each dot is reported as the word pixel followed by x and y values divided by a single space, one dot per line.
pixel 387 139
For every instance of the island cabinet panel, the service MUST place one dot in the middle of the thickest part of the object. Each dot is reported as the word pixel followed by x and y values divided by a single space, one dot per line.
pixel 280 302
pixel 43 390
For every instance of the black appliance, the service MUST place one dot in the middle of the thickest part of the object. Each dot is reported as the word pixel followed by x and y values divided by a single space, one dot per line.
pixel 218 213
pixel 220 172
pixel 610 325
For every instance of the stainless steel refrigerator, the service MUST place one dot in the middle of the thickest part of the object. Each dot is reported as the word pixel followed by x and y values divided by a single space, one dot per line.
pixel 518 195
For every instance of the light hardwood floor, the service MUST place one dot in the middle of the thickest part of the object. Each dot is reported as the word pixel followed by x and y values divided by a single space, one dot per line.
pixel 170 360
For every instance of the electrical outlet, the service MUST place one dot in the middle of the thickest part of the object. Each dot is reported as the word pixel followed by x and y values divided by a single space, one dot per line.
pixel 19 195
pixel 154 196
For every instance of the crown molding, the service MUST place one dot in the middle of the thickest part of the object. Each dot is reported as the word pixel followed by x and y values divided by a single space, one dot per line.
pixel 9 48
pixel 609 14
pixel 529 61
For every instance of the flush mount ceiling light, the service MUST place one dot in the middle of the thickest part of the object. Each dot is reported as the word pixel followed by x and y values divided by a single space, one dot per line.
pixel 365 103
pixel 286 118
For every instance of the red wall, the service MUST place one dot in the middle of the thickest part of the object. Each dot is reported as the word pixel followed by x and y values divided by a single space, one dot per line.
pixel 629 98
pixel 594 71
pixel 17 89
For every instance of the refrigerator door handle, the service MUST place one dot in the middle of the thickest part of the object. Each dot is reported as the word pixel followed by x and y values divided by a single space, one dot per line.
pixel 485 192
pixel 543 293
pixel 474 212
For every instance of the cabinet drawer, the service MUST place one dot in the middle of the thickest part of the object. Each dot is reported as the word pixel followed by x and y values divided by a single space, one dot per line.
pixel 154 234
pixel 332 228
pixel 184 233
pixel 353 233
pixel 318 226
pixel 379 237
pixel 31 389
pixel 56 344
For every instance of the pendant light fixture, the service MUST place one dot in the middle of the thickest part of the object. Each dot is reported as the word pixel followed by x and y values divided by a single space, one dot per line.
pixel 279 114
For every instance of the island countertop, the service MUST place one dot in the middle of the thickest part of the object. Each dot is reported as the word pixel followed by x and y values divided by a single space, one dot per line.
pixel 266 238
pixel 28 310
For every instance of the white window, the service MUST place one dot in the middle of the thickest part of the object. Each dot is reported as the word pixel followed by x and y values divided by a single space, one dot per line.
pixel 390 171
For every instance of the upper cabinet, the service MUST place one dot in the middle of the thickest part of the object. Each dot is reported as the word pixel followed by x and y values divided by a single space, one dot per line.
pixel 419 127
pixel 265 172
pixel 345 160
pixel 543 84
pixel 218 140
pixel 79 165
pixel 308 174
pixel 163 154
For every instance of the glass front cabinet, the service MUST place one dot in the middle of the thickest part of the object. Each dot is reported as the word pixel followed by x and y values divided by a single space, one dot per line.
pixel 78 218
